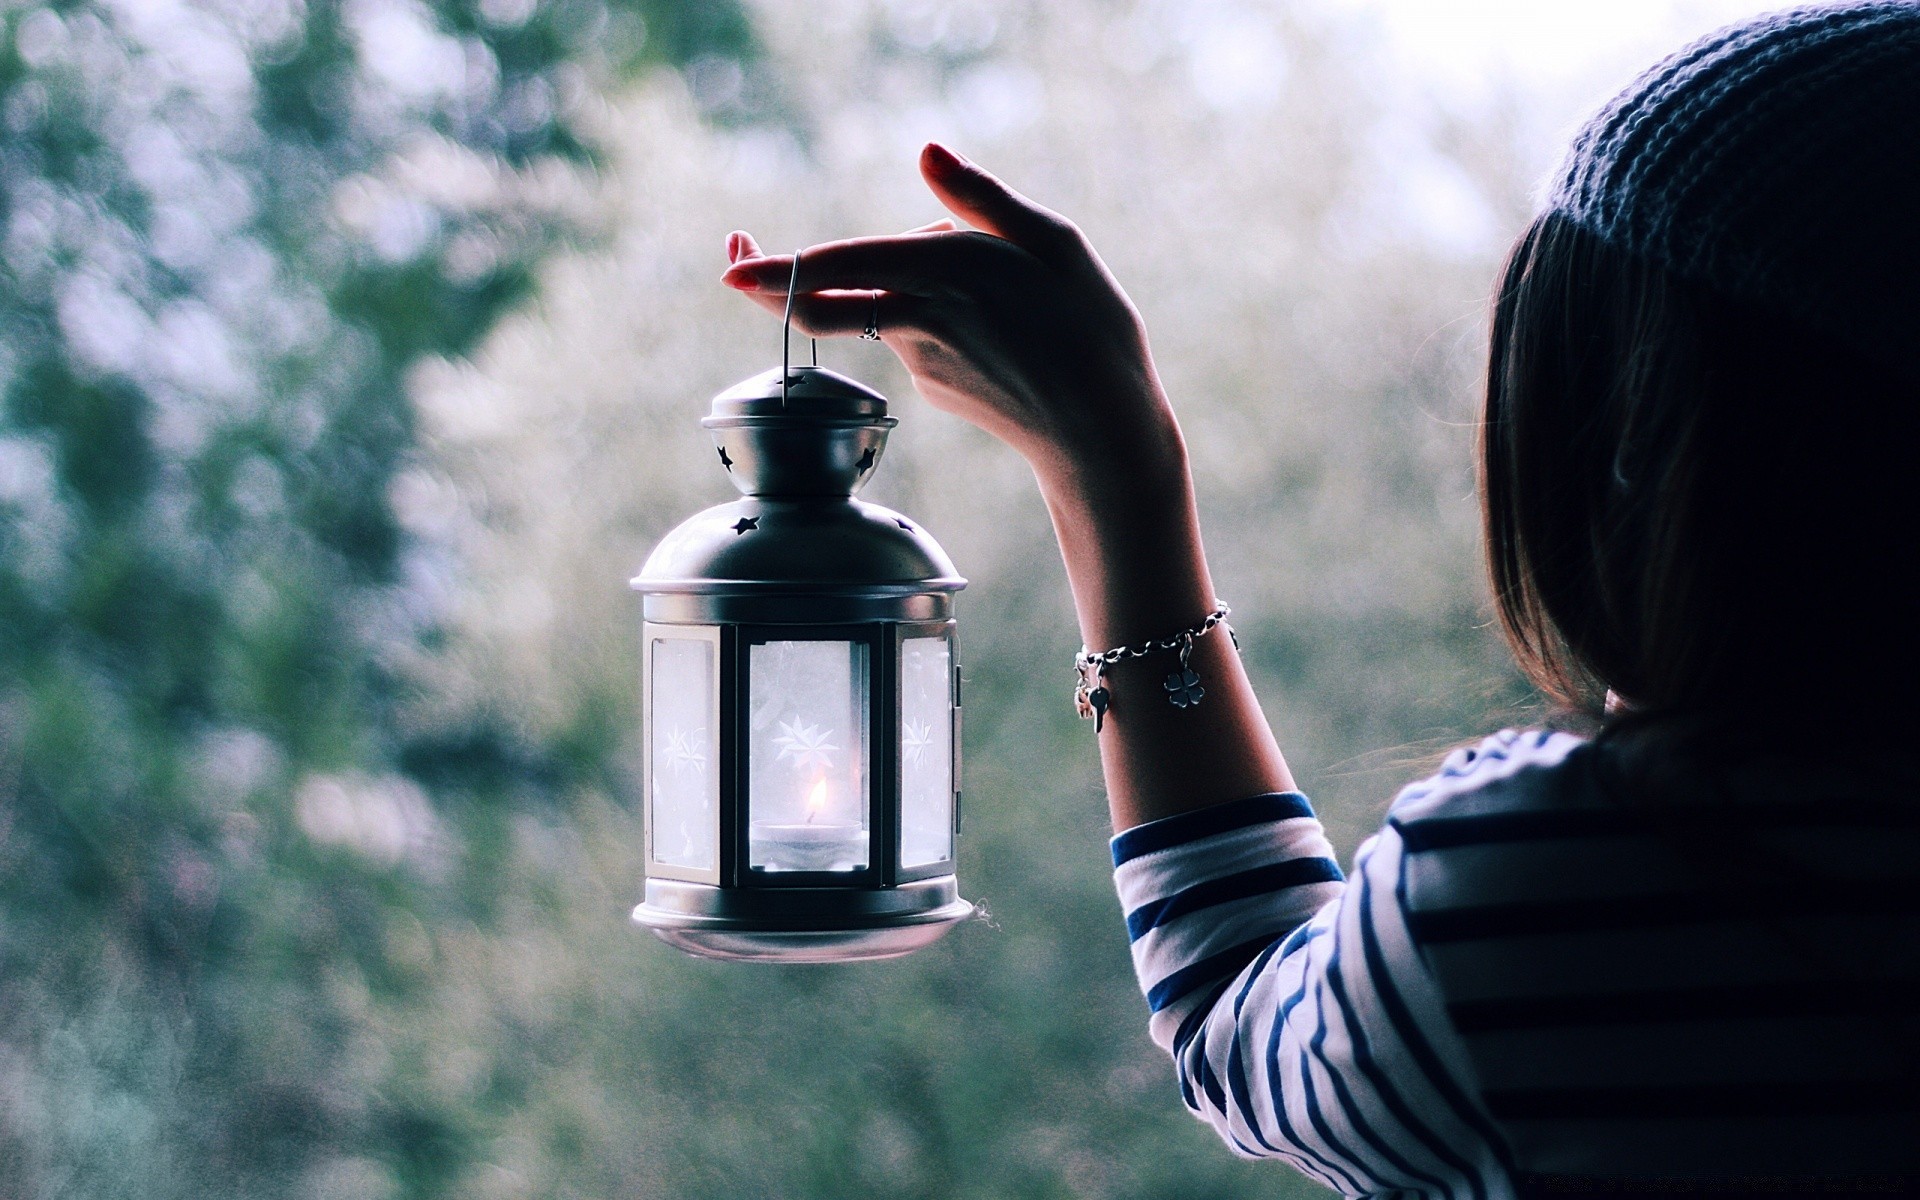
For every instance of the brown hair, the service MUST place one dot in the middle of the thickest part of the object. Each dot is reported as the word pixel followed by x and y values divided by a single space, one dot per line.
pixel 1702 505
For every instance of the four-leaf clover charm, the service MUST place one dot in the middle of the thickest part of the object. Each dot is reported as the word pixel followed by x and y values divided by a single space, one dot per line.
pixel 1183 688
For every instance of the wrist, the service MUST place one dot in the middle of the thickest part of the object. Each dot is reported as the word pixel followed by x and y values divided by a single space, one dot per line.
pixel 1133 555
pixel 1118 476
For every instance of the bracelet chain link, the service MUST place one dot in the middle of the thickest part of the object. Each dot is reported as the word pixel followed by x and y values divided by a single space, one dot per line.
pixel 1091 697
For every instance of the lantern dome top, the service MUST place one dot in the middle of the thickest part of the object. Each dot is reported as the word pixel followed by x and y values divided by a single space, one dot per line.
pixel 811 392
pixel 798 547
pixel 806 431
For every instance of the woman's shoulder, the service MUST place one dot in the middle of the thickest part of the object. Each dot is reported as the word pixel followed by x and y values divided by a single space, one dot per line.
pixel 1508 770
pixel 1524 789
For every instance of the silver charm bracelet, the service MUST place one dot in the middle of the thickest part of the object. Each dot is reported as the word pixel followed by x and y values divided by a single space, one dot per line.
pixel 1090 695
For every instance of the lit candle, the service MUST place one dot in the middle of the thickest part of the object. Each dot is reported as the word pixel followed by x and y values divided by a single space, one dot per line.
pixel 819 843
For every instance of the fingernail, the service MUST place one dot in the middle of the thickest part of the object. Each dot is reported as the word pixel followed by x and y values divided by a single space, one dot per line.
pixel 952 156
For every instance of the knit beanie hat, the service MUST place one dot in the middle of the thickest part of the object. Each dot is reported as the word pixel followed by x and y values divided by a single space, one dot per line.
pixel 1777 161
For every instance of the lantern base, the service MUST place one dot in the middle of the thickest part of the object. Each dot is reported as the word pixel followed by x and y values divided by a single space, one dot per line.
pixel 801 925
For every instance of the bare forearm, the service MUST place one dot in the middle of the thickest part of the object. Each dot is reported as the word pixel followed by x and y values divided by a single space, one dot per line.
pixel 1130 535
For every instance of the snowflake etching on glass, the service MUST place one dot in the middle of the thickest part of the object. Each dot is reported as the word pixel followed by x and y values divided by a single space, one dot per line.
pixel 926 751
pixel 807 755
pixel 807 745
pixel 683 829
pixel 915 737
pixel 685 751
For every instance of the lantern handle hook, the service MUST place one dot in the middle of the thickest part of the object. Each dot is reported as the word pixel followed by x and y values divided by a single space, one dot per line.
pixel 786 332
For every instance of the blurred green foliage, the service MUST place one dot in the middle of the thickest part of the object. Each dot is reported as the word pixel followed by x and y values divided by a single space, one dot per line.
pixel 214 283
pixel 352 355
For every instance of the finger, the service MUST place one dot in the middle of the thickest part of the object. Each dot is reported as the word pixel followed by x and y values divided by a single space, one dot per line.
pixel 840 314
pixel 742 248
pixel 831 314
pixel 740 244
pixel 980 199
pixel 772 303
pixel 918 263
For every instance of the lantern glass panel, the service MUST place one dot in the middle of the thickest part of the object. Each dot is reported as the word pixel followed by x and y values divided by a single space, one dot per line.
pixel 926 751
pixel 683 784
pixel 807 764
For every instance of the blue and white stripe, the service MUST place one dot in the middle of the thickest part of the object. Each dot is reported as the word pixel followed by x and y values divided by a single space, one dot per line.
pixel 1259 964
pixel 1526 982
pixel 1208 891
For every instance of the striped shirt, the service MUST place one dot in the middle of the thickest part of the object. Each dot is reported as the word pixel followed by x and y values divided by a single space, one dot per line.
pixel 1530 987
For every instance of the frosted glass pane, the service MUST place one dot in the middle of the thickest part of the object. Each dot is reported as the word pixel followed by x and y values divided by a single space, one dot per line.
pixel 807 770
pixel 684 825
pixel 926 751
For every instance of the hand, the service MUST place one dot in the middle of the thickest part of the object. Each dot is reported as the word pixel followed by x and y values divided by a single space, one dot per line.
pixel 1016 326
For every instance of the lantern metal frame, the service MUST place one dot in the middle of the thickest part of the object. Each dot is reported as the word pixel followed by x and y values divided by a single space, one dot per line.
pixel 799 559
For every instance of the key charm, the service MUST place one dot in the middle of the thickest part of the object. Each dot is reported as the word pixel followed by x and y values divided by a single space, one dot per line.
pixel 1183 686
pixel 1091 697
pixel 1083 681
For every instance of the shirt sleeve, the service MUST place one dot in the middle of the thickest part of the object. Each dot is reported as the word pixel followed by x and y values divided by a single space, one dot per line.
pixel 1302 1021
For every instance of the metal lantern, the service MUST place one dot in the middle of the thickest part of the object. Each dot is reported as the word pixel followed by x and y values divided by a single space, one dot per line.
pixel 802 696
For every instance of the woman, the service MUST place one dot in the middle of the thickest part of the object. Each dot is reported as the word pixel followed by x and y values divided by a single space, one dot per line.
pixel 1680 954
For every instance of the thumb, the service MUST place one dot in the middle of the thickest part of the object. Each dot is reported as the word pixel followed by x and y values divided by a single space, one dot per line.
pixel 980 199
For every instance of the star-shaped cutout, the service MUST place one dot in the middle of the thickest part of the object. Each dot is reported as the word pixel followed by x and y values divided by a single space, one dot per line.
pixel 724 460
pixel 746 523
pixel 866 460
pixel 903 523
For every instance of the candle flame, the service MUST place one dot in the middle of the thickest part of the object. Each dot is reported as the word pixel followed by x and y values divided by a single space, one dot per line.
pixel 817 799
